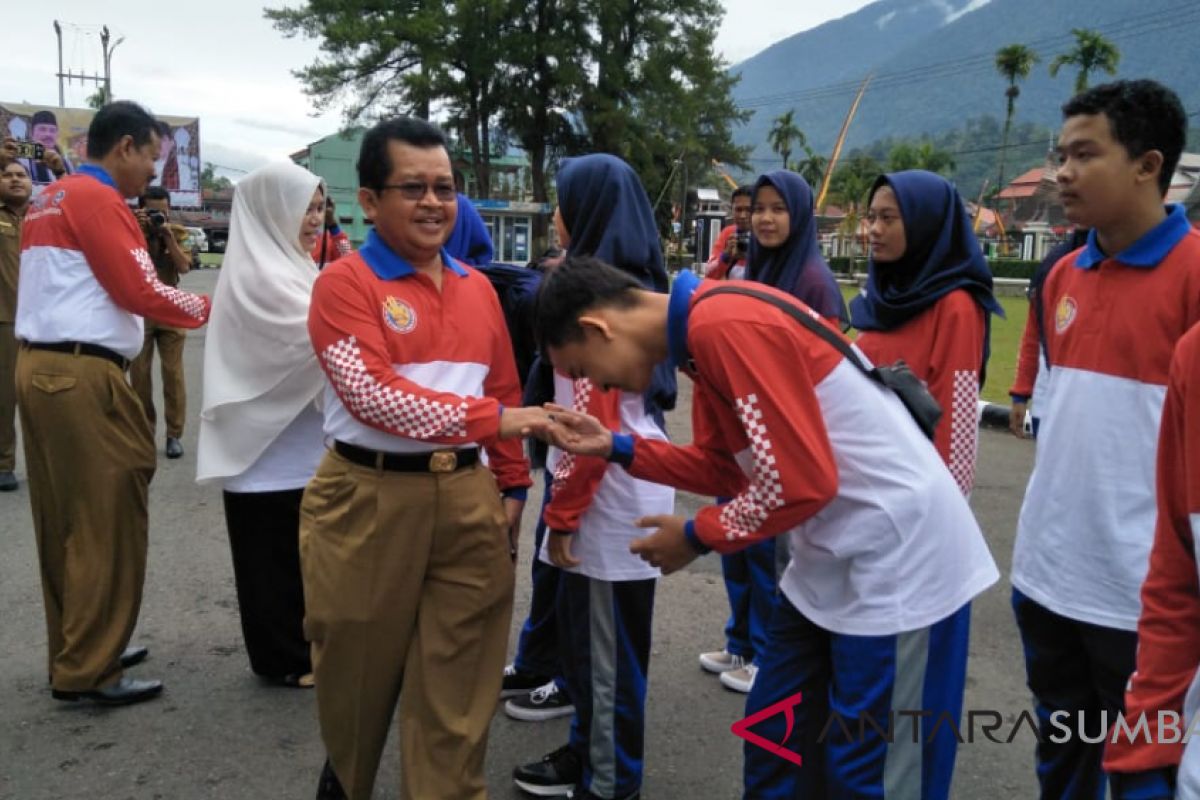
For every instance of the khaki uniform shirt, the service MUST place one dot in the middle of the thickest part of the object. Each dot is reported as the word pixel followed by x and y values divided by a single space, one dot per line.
pixel 10 262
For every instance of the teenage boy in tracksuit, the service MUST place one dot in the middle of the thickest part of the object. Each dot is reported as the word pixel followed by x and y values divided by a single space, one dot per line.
pixel 1113 312
pixel 886 555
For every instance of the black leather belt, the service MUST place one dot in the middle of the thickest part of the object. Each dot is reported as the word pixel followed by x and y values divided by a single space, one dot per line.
pixel 437 461
pixel 82 349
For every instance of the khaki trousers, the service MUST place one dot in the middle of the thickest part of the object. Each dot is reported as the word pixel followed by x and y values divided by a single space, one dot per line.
pixel 170 354
pixel 8 397
pixel 407 583
pixel 90 459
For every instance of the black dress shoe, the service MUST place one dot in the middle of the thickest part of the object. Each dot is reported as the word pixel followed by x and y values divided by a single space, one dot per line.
pixel 133 655
pixel 329 787
pixel 8 481
pixel 174 448
pixel 122 693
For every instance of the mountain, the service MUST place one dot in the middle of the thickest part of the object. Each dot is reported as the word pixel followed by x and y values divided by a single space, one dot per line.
pixel 933 65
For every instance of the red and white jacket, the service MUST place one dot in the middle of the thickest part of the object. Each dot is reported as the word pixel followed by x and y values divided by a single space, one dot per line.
pixel 86 275
pixel 1111 323
pixel 944 347
pixel 599 501
pixel 882 541
pixel 413 369
pixel 333 244
pixel 1169 628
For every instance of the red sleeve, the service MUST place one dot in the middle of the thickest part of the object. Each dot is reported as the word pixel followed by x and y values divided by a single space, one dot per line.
pixel 506 457
pixel 1169 628
pixel 341 243
pixel 115 249
pixel 953 380
pixel 576 478
pixel 347 335
pixel 716 269
pixel 793 473
pixel 722 239
pixel 1027 358
pixel 703 467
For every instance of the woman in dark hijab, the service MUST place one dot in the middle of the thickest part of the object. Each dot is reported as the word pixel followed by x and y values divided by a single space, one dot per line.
pixel 603 213
pixel 928 301
pixel 784 252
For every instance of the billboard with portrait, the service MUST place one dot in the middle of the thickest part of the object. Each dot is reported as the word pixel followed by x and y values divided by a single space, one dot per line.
pixel 65 129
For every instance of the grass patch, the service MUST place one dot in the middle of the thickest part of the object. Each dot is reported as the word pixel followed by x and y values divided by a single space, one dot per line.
pixel 1006 341
pixel 211 259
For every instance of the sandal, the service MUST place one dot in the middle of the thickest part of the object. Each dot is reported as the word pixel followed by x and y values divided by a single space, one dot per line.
pixel 294 681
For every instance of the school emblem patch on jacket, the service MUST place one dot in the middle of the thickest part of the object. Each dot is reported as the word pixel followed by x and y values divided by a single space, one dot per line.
pixel 1064 313
pixel 399 315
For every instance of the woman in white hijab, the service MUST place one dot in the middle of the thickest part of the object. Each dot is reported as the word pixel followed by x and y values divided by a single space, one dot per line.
pixel 260 429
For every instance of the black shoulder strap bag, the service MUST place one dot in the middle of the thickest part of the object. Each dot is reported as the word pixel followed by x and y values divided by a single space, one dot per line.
pixel 897 377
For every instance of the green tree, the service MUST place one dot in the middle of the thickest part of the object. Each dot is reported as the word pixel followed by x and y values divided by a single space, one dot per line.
pixel 1014 63
pixel 99 98
pixel 849 187
pixel 1091 52
pixel 210 181
pixel 920 155
pixel 812 168
pixel 783 133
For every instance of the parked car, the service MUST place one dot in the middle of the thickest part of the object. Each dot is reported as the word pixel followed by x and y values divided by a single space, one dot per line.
pixel 199 239
pixel 217 239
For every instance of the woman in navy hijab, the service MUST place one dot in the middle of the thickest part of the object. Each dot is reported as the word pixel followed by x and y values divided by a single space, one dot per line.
pixel 603 212
pixel 927 301
pixel 784 252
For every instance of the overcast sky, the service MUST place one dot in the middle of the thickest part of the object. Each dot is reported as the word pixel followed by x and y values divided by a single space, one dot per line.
pixel 221 61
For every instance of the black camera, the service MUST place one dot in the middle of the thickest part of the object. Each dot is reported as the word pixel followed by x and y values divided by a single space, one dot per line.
pixel 157 219
pixel 30 150
pixel 743 242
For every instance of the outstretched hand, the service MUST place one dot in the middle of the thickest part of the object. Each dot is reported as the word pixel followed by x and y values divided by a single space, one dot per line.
pixel 577 433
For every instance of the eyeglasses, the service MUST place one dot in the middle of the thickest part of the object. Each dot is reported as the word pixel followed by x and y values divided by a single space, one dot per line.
pixel 415 190
pixel 886 219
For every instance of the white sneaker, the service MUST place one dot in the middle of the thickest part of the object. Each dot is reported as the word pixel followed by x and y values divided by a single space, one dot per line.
pixel 721 661
pixel 740 680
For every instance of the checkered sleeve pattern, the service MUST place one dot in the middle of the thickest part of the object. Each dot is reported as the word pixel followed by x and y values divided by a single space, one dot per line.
pixel 964 428
pixel 745 514
pixel 400 413
pixel 581 397
pixel 191 304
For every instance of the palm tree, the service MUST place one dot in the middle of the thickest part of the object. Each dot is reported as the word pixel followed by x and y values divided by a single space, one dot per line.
pixel 1091 52
pixel 812 168
pixel 849 187
pixel 1014 63
pixel 925 155
pixel 783 132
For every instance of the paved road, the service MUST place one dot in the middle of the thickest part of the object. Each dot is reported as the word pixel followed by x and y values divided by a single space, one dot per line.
pixel 218 733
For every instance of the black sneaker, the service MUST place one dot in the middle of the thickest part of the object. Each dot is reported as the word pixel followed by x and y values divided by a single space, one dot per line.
pixel 543 703
pixel 584 794
pixel 518 682
pixel 554 776
pixel 329 787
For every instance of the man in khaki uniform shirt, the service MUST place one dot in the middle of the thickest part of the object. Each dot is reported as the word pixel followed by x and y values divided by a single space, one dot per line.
pixel 170 261
pixel 16 188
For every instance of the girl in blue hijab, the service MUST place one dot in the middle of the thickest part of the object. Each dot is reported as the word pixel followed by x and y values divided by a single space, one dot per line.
pixel 927 301
pixel 603 212
pixel 783 251
pixel 470 241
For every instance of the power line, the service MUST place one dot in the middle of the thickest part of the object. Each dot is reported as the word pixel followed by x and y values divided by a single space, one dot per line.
pixel 1185 14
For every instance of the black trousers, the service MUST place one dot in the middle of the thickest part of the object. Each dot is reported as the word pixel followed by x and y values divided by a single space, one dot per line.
pixel 264 536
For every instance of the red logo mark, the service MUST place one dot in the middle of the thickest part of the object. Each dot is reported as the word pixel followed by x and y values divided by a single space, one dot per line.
pixel 742 728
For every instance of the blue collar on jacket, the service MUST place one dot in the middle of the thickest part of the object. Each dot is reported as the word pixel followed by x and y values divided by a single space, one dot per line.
pixel 682 290
pixel 98 172
pixel 1148 251
pixel 385 263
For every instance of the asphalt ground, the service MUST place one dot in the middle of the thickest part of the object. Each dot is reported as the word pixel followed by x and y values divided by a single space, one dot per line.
pixel 218 732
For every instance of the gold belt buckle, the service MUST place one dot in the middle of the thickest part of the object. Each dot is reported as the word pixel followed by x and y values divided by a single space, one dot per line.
pixel 443 461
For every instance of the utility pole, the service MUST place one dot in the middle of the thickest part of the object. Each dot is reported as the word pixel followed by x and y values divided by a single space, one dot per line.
pixel 58 31
pixel 682 204
pixel 108 53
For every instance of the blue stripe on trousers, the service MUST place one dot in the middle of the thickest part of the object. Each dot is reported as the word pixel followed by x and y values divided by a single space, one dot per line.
pixel 1079 670
pixel 847 682
pixel 604 632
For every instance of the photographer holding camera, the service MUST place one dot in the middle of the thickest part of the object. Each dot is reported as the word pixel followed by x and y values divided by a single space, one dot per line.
pixel 728 257
pixel 163 241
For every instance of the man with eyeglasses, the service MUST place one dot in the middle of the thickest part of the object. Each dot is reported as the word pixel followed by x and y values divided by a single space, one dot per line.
pixel 406 539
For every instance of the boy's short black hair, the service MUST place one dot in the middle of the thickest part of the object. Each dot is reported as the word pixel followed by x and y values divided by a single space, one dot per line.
pixel 154 193
pixel 43 117
pixel 116 120
pixel 577 285
pixel 745 190
pixel 1144 115
pixel 374 166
